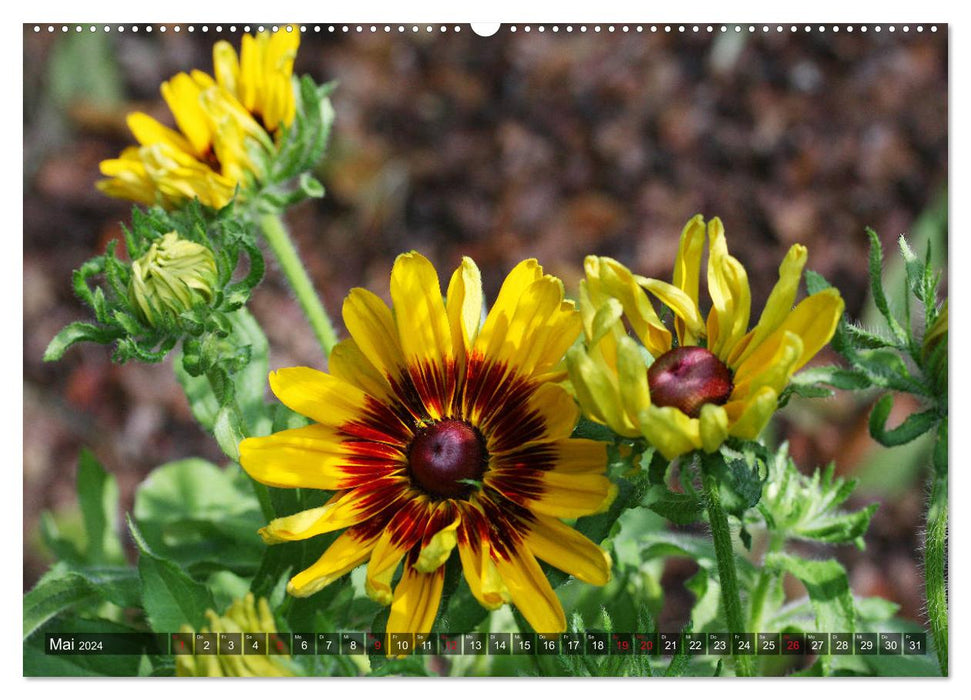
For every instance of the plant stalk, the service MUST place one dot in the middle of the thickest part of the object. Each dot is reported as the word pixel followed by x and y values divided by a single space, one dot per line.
pixel 286 254
pixel 725 555
pixel 935 567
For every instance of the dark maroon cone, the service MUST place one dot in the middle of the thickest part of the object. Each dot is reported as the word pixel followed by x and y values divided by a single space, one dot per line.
pixel 445 453
pixel 688 378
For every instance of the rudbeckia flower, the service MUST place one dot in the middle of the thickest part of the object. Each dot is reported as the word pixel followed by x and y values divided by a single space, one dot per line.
pixel 440 435
pixel 224 123
pixel 721 379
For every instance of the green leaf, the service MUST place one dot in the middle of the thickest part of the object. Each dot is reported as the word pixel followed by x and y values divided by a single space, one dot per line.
pixel 55 592
pixel 915 425
pixel 828 588
pixel 834 376
pixel 98 497
pixel 876 287
pixel 228 431
pixel 76 332
pixel 863 339
pixel 740 478
pixel 887 369
pixel 679 508
pixel 193 512
pixel 171 597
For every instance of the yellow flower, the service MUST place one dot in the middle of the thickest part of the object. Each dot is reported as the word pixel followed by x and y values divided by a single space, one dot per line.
pixel 721 379
pixel 440 435
pixel 171 277
pixel 244 615
pixel 225 126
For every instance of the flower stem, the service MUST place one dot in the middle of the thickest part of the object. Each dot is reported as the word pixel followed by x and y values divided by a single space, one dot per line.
pixel 725 556
pixel 935 567
pixel 286 254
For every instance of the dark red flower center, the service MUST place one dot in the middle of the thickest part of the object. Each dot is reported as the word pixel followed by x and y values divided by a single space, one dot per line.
pixel 446 457
pixel 688 378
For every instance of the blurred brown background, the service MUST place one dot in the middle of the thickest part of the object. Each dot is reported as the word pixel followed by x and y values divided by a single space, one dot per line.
pixel 553 145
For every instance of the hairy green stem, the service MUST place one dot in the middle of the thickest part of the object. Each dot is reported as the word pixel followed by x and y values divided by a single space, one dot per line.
pixel 935 566
pixel 286 254
pixel 725 555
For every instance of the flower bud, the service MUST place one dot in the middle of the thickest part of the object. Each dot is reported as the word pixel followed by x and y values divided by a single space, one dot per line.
pixel 687 378
pixel 172 277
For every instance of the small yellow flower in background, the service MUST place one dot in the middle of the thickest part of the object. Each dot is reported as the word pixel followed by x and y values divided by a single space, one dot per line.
pixel 172 277
pixel 437 435
pixel 720 379
pixel 223 125
pixel 244 615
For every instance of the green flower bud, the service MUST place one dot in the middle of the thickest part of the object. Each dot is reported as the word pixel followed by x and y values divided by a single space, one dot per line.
pixel 172 277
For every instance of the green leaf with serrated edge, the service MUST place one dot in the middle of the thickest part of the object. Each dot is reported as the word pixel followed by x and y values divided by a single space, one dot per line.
pixel 679 508
pixel 170 597
pixel 98 498
pixel 887 369
pixel 915 425
pixel 54 593
pixel 828 587
pixel 833 376
pixel 876 287
pixel 863 339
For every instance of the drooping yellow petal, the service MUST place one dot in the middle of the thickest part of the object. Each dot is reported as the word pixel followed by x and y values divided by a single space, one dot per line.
pixel 688 317
pixel 712 426
pixel 423 328
pixel 635 395
pixel 758 410
pixel 687 272
pixel 385 558
pixel 561 546
pixel 317 395
pixel 346 553
pixel 481 574
pixel 778 305
pixel 730 295
pixel 438 548
pixel 776 372
pixel 148 130
pixel 670 431
pixel 608 277
pixel 416 600
pixel 572 495
pixel 307 457
pixel 598 392
pixel 531 592
pixel 814 320
pixel 464 304
pixel 225 65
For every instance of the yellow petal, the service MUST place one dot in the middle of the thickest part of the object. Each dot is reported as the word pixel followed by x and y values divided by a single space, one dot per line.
pixel 147 130
pixel 758 410
pixel 423 329
pixel 481 574
pixel 814 320
pixel 500 315
pixel 712 426
pixel 598 392
pixel 572 495
pixel 688 317
pixel 345 554
pixel 464 304
pixel 670 431
pixel 775 373
pixel 687 271
pixel 438 548
pixel 317 395
pixel 730 296
pixel 182 93
pixel 416 601
pixel 370 323
pixel 579 456
pixel 349 364
pixel 632 379
pixel 385 558
pixel 778 305
pixel 531 592
pixel 225 65
pixel 616 281
pixel 561 546
pixel 307 457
